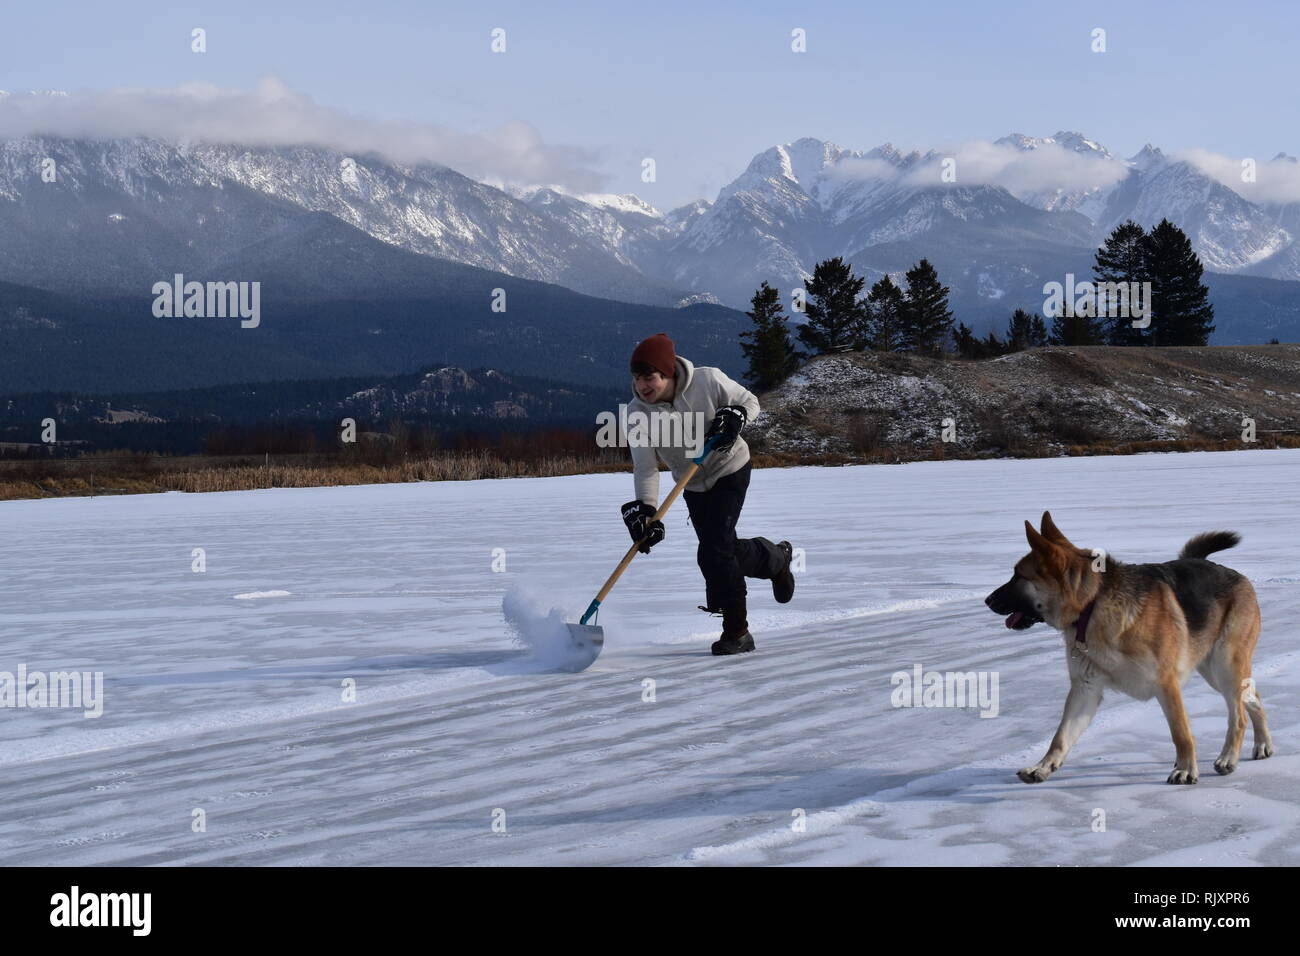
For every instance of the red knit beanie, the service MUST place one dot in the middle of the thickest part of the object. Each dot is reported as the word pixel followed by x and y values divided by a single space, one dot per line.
pixel 657 352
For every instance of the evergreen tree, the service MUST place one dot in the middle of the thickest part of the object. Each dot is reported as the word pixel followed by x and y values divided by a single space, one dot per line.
pixel 966 345
pixel 1037 332
pixel 992 346
pixel 928 319
pixel 1071 329
pixel 771 355
pixel 1181 313
pixel 1122 258
pixel 835 318
pixel 1021 332
pixel 886 315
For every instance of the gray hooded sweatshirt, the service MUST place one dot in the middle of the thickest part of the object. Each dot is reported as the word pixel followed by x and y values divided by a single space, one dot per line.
pixel 700 390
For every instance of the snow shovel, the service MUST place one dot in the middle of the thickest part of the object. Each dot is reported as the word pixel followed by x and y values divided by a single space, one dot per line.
pixel 587 640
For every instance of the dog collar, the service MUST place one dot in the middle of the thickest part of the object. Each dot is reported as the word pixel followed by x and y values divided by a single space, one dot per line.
pixel 1081 625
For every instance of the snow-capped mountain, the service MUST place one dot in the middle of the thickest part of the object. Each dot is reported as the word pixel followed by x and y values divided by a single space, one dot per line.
pixel 434 210
pixel 626 226
pixel 1075 142
pixel 1022 210
pixel 1088 200
pixel 187 204
pixel 766 223
pixel 1229 233
pixel 802 202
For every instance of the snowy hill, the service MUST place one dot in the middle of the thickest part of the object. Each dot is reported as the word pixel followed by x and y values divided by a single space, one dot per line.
pixel 1040 401
pixel 223 690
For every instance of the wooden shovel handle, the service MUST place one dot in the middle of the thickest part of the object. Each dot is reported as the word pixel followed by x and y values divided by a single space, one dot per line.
pixel 663 509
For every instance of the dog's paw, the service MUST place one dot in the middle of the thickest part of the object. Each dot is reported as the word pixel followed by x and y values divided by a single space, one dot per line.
pixel 1263 749
pixel 1034 774
pixel 1225 765
pixel 1184 776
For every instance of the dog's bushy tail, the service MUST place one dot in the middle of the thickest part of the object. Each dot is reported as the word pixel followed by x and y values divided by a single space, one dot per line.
pixel 1210 542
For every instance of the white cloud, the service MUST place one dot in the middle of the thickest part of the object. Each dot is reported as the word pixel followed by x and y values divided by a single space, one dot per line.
pixel 1276 180
pixel 274 114
pixel 1021 172
pixel 980 162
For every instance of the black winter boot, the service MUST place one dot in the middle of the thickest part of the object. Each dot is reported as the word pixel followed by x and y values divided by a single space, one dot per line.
pixel 783 583
pixel 736 638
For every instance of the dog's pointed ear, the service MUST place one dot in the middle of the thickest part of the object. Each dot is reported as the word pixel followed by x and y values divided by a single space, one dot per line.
pixel 1043 547
pixel 1052 533
pixel 1036 540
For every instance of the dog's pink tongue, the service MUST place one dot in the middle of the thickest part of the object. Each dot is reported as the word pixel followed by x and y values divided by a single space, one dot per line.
pixel 1014 619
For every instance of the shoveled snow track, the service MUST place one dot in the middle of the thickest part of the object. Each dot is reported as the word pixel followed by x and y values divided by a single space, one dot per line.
pixel 720 764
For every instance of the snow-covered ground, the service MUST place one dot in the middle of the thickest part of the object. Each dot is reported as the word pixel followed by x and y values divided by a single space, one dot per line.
pixel 223 690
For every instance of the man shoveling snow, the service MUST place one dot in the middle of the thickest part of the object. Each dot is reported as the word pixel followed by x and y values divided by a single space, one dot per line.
pixel 663 382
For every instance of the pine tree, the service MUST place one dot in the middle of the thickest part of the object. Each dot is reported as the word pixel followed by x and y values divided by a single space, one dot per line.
pixel 771 355
pixel 886 314
pixel 836 320
pixel 1037 332
pixel 992 346
pixel 1020 331
pixel 1122 258
pixel 1181 313
pixel 967 346
pixel 1071 329
pixel 928 318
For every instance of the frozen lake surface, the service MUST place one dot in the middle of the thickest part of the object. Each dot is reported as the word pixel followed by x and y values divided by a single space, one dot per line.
pixel 224 691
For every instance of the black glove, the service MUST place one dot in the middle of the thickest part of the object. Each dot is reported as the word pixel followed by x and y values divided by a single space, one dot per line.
pixel 637 515
pixel 727 425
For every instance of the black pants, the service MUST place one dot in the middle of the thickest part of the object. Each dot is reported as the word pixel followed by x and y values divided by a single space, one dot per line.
pixel 724 559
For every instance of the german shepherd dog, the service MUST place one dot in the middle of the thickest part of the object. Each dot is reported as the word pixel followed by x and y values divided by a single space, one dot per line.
pixel 1141 628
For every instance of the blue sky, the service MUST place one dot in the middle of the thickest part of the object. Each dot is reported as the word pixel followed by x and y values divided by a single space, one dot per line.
pixel 703 87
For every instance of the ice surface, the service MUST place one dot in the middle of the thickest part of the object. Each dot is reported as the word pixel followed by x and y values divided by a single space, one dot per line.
pixel 380 712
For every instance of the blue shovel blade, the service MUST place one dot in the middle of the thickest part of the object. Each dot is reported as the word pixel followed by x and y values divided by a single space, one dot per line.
pixel 585 644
